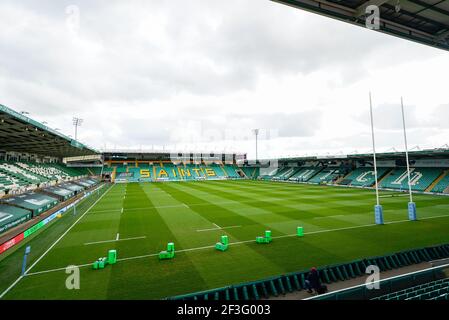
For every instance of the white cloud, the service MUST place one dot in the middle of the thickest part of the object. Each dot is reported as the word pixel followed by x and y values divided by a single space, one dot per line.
pixel 151 73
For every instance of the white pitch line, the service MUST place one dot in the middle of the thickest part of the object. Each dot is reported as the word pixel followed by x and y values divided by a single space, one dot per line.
pixel 234 243
pixel 216 225
pixel 121 211
pixel 211 229
pixel 117 239
pixel 56 242
pixel 186 206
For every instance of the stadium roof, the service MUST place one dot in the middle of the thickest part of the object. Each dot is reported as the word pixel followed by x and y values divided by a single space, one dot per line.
pixel 422 21
pixel 22 134
pixel 429 153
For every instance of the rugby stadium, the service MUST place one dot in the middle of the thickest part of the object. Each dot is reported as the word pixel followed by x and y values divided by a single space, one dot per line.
pixel 82 223
pixel 234 229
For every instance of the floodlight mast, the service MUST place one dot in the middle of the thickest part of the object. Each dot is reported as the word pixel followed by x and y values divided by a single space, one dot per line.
pixel 77 123
pixel 256 133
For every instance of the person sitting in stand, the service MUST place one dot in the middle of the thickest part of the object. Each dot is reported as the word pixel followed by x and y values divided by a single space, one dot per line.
pixel 313 281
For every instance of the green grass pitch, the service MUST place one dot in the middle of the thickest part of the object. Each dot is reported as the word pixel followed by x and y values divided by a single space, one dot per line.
pixel 338 225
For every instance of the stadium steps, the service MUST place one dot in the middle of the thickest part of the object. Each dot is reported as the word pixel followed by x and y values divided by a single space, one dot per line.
pixel 224 171
pixel 385 176
pixel 288 283
pixel 340 179
pixel 437 180
pixel 427 291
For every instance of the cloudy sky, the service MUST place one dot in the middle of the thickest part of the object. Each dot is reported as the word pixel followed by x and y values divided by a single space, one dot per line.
pixel 200 74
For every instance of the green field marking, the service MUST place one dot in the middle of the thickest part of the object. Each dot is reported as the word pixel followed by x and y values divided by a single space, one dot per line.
pixel 150 223
pixel 175 211
pixel 36 261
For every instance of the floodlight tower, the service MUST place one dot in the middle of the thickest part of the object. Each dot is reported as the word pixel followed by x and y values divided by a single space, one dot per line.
pixel 378 212
pixel 256 133
pixel 77 123
pixel 411 204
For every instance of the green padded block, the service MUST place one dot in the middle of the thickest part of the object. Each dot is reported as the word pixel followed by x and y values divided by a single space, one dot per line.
pixel 273 289
pixel 224 239
pixel 245 293
pixel 255 293
pixel 443 251
pixel 221 247
pixel 440 249
pixel 357 269
pixel 268 234
pixel 95 265
pixel 406 258
pixel 332 275
pixel 112 256
pixel 262 240
pixel 264 290
pixel 326 276
pixel 281 286
pixel 392 262
pixel 300 231
pixel 101 263
pixel 339 274
pixel 344 272
pixel 437 254
pixel 363 265
pixel 303 280
pixel 163 255
pixel 170 246
pixel 351 271
pixel 380 264
pixel 289 284
pixel 410 257
pixel 386 263
pixel 398 260
pixel 415 257
pixel 296 282
pixel 236 294
pixel 426 254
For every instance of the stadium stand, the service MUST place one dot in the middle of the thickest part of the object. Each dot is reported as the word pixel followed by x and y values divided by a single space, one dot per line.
pixel 60 193
pixel 442 184
pixel 420 178
pixel 434 290
pixel 285 173
pixel 11 216
pixel 364 177
pixel 16 177
pixel 327 175
pixel 251 172
pixel 72 187
pixel 305 174
pixel 289 283
pixel 174 172
pixel 37 203
pixel 47 171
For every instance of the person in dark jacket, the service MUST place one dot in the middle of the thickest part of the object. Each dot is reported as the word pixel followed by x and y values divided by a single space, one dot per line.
pixel 313 281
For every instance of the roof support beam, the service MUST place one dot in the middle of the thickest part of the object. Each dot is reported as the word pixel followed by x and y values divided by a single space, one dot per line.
pixel 442 36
